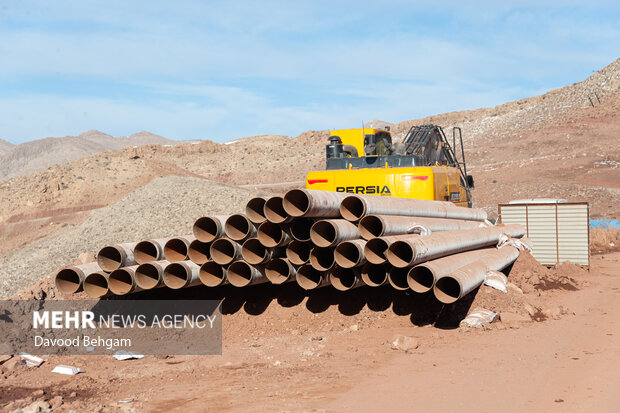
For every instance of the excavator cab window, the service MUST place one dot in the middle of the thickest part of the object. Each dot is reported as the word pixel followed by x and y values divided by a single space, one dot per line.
pixel 378 144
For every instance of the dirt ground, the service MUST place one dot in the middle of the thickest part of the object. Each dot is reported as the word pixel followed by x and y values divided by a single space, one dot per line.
pixel 284 350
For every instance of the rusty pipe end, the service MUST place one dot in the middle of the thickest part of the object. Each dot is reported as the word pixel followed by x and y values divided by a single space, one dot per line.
pixel 374 275
pixel 348 254
pixel 96 285
pixel 238 227
pixel 300 229
pixel 421 279
pixel 279 270
pixel 298 252
pixel 224 251
pixel 121 281
pixel 274 211
pixel 447 290
pixel 271 235
pixel 147 251
pixel 400 254
pixel 322 259
pixel 352 208
pixel 397 277
pixel 207 229
pixel 296 202
pixel 371 226
pixel 198 251
pixel 177 275
pixel 309 278
pixel 323 234
pixel 254 252
pixel 240 273
pixel 375 251
pixel 149 275
pixel 343 279
pixel 111 258
pixel 69 280
pixel 176 249
pixel 254 210
pixel 212 274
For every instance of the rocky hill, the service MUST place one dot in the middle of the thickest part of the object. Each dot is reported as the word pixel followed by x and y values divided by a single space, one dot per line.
pixel 5 146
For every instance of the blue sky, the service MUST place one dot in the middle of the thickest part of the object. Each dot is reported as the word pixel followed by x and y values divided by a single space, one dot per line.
pixel 226 69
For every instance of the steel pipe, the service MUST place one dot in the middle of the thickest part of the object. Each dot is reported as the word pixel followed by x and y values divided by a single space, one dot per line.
pixel 355 207
pixel 254 252
pixel 209 228
pixel 238 228
pixel 376 249
pixel 198 251
pixel 279 271
pixel 349 254
pixel 274 211
pixel 181 275
pixel 417 249
pixel 300 228
pixel 151 274
pixel 311 203
pixel 123 281
pixel 213 274
pixel 177 248
pixel 69 280
pixel 449 288
pixel 322 258
pixel 224 251
pixel 297 252
pixel 242 274
pixel 96 284
pixel 272 235
pixel 372 226
pixel 309 278
pixel 374 275
pixel 329 232
pixel 113 257
pixel 254 210
pixel 344 279
pixel 421 278
pixel 149 250
pixel 397 277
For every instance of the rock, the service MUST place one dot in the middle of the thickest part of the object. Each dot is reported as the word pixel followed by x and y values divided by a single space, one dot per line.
pixel 512 318
pixel 404 343
pixel 86 257
pixel 354 327
pixel 534 280
pixel 38 393
pixel 511 286
pixel 530 310
pixel 12 364
pixel 37 406
pixel 554 312
pixel 73 394
pixel 55 402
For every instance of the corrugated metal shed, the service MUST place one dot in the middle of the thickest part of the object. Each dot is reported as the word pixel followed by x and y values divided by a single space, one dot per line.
pixel 560 231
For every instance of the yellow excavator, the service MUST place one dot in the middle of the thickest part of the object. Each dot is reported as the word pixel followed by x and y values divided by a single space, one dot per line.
pixel 423 166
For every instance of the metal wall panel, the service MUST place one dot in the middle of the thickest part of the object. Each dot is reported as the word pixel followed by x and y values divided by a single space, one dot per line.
pixel 573 233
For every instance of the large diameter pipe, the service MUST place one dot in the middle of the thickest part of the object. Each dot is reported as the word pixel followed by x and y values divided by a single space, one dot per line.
pixel 149 250
pixel 397 277
pixel 376 249
pixel 69 280
pixel 255 208
pixel 242 274
pixel 355 207
pixel 213 274
pixel 177 248
pixel 417 249
pixel 372 226
pixel 449 288
pixel 344 279
pixel 310 203
pixel 224 251
pixel 300 228
pixel 298 252
pixel 374 275
pixel 421 278
pixel 309 278
pixel 151 274
pixel 274 211
pixel 322 258
pixel 123 281
pixel 96 284
pixel 272 235
pixel 181 275
pixel 113 257
pixel 349 254
pixel 209 228
pixel 254 252
pixel 279 271
pixel 329 232
pixel 238 228
pixel 199 252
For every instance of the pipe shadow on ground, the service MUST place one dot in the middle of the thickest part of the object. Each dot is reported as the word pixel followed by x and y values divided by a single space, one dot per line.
pixel 422 309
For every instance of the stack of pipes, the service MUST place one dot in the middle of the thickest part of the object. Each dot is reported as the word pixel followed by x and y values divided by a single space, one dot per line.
pixel 314 238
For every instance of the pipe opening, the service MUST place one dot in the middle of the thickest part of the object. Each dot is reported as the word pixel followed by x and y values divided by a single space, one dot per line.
pixel 212 274
pixel 278 271
pixel 352 208
pixel 254 252
pixel 322 259
pixel 375 251
pixel 147 276
pixel 374 275
pixel 110 258
pixel 198 251
pixel 146 251
pixel 96 285
pixel 239 274
pixel 274 211
pixel 400 254
pixel 296 202
pixel 347 254
pixel 343 279
pixel 300 229
pixel 176 276
pixel 120 282
pixel 370 227
pixel 238 227
pixel 447 290
pixel 223 251
pixel 68 281
pixel 175 250
pixel 308 278
pixel 323 234
pixel 398 278
pixel 420 279
pixel 298 253
pixel 270 234
pixel 206 229
pixel 254 210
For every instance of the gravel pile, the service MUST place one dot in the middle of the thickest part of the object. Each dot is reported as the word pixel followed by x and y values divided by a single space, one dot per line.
pixel 165 207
